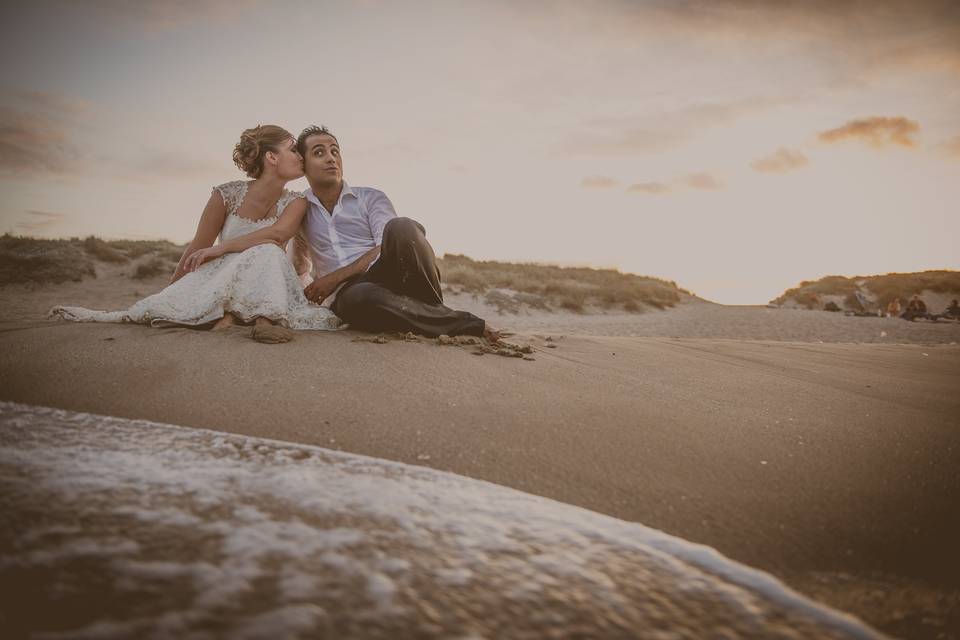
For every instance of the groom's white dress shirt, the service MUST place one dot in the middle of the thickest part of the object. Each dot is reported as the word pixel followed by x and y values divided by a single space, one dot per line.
pixel 337 238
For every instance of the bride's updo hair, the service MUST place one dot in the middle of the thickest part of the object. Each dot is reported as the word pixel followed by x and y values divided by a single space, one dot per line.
pixel 254 144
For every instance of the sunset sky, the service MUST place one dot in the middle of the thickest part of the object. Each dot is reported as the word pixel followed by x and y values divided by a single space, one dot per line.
pixel 734 146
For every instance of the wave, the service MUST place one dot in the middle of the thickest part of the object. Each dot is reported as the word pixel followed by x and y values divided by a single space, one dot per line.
pixel 128 528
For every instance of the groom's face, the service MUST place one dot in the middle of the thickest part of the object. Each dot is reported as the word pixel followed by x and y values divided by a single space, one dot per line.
pixel 322 163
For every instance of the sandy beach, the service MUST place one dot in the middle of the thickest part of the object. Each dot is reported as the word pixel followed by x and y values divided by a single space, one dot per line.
pixel 796 442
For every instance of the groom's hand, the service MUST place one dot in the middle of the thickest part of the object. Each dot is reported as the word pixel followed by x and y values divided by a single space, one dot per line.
pixel 318 290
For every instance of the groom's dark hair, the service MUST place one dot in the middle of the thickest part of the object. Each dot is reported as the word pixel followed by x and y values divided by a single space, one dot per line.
pixel 312 130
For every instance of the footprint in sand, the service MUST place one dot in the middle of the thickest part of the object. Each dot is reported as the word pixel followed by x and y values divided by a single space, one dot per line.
pixel 272 334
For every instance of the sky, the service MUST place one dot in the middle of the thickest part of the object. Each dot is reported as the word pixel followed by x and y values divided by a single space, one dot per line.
pixel 735 147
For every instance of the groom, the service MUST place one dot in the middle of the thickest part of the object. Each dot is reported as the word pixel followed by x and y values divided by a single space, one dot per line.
pixel 380 268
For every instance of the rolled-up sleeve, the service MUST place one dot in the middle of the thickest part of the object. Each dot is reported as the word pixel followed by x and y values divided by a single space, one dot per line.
pixel 380 211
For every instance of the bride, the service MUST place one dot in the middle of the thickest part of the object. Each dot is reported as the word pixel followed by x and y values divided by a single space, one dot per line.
pixel 250 278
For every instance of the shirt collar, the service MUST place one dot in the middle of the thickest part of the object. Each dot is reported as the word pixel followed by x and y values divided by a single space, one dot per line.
pixel 345 190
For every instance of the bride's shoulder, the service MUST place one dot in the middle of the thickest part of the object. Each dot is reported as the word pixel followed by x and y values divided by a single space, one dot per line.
pixel 231 192
pixel 286 198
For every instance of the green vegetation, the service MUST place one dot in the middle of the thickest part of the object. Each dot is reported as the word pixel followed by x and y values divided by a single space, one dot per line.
pixel 25 260
pixel 882 289
pixel 550 287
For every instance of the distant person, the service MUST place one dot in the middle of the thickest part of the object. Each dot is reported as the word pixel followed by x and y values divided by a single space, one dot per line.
pixel 248 279
pixel 893 308
pixel 916 308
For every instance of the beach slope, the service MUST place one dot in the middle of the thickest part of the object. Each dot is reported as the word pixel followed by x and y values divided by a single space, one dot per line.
pixel 832 466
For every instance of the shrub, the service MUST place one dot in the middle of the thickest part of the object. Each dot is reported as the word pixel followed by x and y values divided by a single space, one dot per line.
pixel 152 268
pixel 572 288
pixel 33 260
pixel 103 251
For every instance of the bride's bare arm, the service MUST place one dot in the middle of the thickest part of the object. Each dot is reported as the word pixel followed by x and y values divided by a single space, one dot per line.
pixel 278 233
pixel 211 222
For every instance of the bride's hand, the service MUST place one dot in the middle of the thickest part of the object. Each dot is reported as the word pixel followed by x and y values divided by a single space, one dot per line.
pixel 200 256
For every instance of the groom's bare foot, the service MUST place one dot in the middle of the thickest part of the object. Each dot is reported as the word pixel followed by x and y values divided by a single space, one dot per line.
pixel 228 320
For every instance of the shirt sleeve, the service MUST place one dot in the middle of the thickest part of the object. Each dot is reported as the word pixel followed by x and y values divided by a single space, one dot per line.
pixel 380 211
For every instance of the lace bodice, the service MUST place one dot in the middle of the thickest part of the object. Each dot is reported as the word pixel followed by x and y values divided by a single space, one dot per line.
pixel 233 194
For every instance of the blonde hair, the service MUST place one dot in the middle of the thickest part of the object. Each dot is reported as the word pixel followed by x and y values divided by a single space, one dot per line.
pixel 254 143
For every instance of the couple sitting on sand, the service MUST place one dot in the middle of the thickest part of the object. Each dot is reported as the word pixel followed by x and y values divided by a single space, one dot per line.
pixel 378 269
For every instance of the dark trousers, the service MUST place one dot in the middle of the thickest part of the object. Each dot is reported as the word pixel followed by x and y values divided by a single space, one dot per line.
pixel 401 291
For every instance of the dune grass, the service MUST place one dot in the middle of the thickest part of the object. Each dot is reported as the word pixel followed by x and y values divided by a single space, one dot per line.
pixel 882 288
pixel 35 260
pixel 551 287
pixel 505 285
pixel 151 268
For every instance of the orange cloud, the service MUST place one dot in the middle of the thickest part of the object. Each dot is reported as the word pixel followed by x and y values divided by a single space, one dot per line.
pixel 598 182
pixel 702 181
pixel 877 131
pixel 781 161
pixel 653 188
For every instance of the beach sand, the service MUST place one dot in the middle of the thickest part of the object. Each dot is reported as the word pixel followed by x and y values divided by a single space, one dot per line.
pixel 795 442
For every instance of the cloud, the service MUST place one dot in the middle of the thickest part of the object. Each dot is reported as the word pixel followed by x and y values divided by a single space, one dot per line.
pixel 781 161
pixel 703 181
pixel 652 188
pixel 41 134
pixel 36 132
pixel 169 14
pixel 150 164
pixel 658 131
pixel 855 35
pixel 877 131
pixel 598 182
pixel 33 143
pixel 39 220
pixel 952 147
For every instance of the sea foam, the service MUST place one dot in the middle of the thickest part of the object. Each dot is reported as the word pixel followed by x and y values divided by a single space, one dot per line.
pixel 117 528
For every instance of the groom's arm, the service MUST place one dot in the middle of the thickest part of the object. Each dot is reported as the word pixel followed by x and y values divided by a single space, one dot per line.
pixel 379 211
pixel 323 286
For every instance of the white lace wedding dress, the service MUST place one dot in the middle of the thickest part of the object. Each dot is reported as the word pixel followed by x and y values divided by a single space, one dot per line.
pixel 259 282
